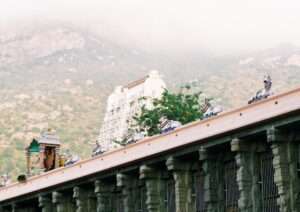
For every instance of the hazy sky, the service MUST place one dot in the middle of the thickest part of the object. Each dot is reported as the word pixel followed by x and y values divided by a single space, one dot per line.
pixel 214 24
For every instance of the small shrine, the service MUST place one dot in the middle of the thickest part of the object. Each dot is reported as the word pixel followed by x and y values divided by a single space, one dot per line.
pixel 43 153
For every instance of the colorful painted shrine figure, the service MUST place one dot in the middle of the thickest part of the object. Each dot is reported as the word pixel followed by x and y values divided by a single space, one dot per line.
pixel 43 153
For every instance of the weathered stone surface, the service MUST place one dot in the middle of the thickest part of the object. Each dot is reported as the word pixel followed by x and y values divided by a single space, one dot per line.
pixel 14 208
pixel 62 202
pixel 45 203
pixel 183 184
pixel 58 201
pixel 103 194
pixel 92 202
pixel 209 166
pixel 279 146
pixel 125 182
pixel 238 146
pixel 255 156
pixel 153 183
pixel 294 165
pixel 245 173
pixel 275 135
pixel 81 199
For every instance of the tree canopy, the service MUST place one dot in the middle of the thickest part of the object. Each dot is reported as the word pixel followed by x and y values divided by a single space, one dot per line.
pixel 182 107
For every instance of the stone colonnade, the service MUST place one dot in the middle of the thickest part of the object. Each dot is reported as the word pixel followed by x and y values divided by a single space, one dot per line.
pixel 242 175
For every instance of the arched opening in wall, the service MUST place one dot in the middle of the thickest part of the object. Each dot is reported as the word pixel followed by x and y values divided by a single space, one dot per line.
pixel 268 188
pixel 231 190
pixel 198 190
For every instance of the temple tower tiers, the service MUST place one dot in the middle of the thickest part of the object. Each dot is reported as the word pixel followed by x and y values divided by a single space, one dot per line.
pixel 124 103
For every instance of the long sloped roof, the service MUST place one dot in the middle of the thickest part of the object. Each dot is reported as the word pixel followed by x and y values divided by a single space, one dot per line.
pixel 195 132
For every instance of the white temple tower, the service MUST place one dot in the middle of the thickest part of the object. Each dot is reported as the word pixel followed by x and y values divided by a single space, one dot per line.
pixel 124 103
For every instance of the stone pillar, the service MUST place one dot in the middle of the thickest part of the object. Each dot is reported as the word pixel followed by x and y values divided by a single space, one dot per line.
pixel 183 184
pixel 153 183
pixel 57 200
pixel 14 208
pixel 209 166
pixel 124 182
pixel 81 199
pixel 244 158
pixel 102 194
pixel 45 203
pixel 279 145
pixel 62 203
pixel 294 167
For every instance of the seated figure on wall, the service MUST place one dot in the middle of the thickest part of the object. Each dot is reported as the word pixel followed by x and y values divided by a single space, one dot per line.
pixel 263 93
pixel 168 125
pixel 209 110
pixel 49 161
pixel 97 150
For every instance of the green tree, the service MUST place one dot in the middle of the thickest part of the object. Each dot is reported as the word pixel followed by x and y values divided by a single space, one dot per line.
pixel 182 107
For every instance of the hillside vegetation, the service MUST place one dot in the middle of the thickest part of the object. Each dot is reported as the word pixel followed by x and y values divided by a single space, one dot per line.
pixel 59 77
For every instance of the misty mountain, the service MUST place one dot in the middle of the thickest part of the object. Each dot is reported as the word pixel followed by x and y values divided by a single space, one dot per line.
pixel 60 77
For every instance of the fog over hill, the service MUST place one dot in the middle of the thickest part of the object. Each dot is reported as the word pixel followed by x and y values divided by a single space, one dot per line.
pixel 60 76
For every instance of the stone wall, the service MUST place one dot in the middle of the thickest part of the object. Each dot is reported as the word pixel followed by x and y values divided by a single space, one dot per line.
pixel 264 173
